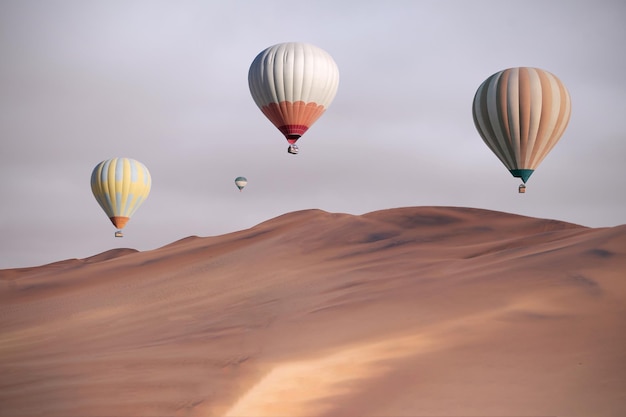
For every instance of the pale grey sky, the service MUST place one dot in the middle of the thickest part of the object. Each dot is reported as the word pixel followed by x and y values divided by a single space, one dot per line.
pixel 165 82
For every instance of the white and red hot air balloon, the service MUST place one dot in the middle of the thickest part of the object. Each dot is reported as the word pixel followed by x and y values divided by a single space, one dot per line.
pixel 293 84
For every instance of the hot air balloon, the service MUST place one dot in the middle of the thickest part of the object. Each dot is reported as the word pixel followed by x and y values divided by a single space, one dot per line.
pixel 293 84
pixel 241 182
pixel 521 113
pixel 120 185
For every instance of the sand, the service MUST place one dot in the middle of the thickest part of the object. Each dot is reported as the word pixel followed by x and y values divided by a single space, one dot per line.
pixel 418 311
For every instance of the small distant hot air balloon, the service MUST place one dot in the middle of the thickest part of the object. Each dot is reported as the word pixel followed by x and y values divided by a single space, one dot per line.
pixel 241 182
pixel 120 185
pixel 521 113
pixel 293 84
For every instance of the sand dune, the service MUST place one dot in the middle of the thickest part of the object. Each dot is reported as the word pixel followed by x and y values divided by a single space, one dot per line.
pixel 419 311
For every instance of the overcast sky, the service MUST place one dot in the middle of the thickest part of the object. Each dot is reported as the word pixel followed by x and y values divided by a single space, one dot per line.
pixel 165 82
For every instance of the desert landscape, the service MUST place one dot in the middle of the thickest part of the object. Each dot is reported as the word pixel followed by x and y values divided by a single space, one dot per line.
pixel 416 311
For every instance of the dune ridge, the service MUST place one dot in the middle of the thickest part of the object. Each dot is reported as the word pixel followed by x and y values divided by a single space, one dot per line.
pixel 400 312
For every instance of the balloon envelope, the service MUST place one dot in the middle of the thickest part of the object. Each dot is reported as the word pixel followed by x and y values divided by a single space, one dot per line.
pixel 241 182
pixel 293 84
pixel 120 185
pixel 521 113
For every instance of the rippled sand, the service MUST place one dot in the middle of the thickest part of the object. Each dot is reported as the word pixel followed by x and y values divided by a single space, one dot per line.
pixel 416 311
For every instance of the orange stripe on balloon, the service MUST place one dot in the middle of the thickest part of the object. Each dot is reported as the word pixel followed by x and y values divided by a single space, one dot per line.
pixel 293 119
pixel 119 221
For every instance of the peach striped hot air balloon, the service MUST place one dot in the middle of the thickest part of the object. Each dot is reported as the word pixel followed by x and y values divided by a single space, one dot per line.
pixel 293 84
pixel 521 113
pixel 120 185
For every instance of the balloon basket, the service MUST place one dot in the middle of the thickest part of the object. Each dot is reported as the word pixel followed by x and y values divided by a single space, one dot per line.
pixel 119 234
pixel 521 189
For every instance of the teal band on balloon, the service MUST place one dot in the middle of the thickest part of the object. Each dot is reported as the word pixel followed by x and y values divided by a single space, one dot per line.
pixel 524 174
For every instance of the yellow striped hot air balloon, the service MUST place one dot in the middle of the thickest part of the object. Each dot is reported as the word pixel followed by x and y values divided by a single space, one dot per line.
pixel 521 113
pixel 293 84
pixel 120 185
